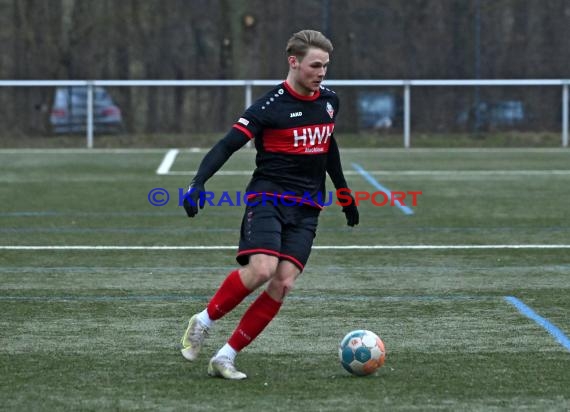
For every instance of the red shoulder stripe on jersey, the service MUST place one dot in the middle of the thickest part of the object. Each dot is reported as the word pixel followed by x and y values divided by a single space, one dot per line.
pixel 296 95
pixel 243 130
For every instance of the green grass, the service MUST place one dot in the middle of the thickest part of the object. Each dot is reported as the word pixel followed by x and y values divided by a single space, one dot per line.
pixel 99 329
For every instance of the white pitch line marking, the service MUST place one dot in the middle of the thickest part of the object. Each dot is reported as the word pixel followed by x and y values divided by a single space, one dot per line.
pixel 167 162
pixel 331 247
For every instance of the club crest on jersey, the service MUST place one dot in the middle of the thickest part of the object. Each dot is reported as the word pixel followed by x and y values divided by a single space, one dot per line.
pixel 330 110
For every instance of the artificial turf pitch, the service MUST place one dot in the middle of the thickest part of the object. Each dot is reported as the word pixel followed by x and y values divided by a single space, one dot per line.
pixel 98 327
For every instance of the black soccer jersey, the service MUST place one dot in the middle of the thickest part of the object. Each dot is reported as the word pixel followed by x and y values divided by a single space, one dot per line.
pixel 292 135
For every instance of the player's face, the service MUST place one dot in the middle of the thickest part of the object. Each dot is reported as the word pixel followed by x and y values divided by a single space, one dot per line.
pixel 309 72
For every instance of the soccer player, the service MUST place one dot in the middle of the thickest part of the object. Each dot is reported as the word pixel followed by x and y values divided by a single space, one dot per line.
pixel 292 128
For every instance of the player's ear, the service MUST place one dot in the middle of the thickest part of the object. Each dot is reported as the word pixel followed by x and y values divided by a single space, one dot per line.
pixel 293 62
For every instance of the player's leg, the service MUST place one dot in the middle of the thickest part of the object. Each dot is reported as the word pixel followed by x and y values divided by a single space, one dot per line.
pixel 297 239
pixel 283 282
pixel 237 285
pixel 260 243
pixel 296 243
pixel 256 318
pixel 230 293
pixel 265 307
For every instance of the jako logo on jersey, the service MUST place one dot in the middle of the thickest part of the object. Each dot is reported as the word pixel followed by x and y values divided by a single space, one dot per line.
pixel 330 110
pixel 296 114
pixel 316 135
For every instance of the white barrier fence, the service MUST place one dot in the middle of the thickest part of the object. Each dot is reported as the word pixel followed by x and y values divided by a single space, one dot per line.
pixel 249 84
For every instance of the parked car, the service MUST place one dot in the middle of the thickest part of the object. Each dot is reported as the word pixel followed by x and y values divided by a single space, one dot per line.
pixel 69 111
pixel 377 110
pixel 504 113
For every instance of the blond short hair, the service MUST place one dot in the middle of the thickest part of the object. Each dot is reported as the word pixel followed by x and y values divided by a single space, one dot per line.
pixel 302 41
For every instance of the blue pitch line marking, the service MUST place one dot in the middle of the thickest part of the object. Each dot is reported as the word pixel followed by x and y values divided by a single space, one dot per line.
pixel 378 186
pixel 545 323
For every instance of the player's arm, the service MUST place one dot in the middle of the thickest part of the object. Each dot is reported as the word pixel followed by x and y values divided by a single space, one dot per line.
pixel 334 169
pixel 211 163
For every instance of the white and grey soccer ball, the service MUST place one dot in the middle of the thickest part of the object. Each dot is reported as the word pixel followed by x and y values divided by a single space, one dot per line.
pixel 361 352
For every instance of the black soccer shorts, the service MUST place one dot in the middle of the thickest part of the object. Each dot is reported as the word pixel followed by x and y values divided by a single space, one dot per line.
pixel 273 228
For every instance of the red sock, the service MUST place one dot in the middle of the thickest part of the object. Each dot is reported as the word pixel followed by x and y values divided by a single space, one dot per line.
pixel 254 320
pixel 231 292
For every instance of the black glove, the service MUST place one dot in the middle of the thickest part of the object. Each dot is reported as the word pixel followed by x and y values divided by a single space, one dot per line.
pixel 193 198
pixel 351 213
pixel 349 207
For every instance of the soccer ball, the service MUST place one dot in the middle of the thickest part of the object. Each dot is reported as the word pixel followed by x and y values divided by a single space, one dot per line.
pixel 361 352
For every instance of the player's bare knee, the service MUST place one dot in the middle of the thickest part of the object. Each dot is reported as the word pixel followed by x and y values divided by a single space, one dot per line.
pixel 277 290
pixel 262 268
pixel 263 274
pixel 280 287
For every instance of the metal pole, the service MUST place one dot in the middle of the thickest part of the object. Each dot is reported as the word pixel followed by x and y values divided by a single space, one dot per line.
pixel 248 94
pixel 477 125
pixel 248 101
pixel 565 115
pixel 90 115
pixel 407 115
